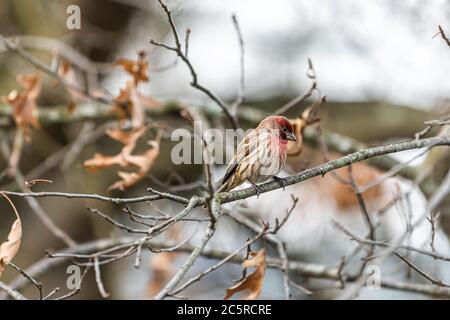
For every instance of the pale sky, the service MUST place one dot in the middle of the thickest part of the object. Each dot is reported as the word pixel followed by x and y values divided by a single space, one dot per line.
pixel 362 50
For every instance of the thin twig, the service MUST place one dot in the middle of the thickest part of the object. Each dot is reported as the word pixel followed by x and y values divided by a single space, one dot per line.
pixel 199 276
pixel 11 292
pixel 52 293
pixel 386 244
pixel 69 195
pixel 241 89
pixel 311 73
pixel 433 218
pixel 46 69
pixel 443 35
pixel 98 280
pixel 209 232
pixel 35 206
pixel 194 83
pixel 310 270
pixel 422 273
pixel 116 223
pixel 35 283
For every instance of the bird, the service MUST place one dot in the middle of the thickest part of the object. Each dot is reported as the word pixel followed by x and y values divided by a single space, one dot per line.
pixel 260 155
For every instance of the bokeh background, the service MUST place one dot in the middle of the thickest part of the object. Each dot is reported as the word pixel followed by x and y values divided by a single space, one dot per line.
pixel 377 62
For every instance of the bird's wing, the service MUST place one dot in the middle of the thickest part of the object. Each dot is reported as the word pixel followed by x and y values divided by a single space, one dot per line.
pixel 244 148
pixel 230 170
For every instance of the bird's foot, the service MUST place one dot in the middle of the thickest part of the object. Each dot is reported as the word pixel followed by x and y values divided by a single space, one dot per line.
pixel 255 188
pixel 279 181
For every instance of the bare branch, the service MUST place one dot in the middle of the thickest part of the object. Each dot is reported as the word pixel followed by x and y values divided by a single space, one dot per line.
pixel 209 232
pixel 46 69
pixel 69 195
pixel 115 223
pixel 98 280
pixel 240 96
pixel 311 73
pixel 183 56
pixel 386 244
pixel 199 276
pixel 35 206
pixel 421 272
pixel 11 292
pixel 443 35
pixel 309 270
pixel 333 165
pixel 35 283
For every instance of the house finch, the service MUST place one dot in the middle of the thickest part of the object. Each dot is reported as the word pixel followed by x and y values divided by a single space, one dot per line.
pixel 260 155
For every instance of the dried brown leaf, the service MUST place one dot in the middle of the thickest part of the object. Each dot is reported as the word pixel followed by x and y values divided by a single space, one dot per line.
pixel 10 247
pixel 100 161
pixel 130 97
pixel 131 104
pixel 126 159
pixel 308 117
pixel 137 68
pixel 295 148
pixel 24 102
pixel 128 139
pixel 254 281
pixel 144 162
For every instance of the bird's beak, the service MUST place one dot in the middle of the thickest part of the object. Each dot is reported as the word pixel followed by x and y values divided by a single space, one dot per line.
pixel 291 136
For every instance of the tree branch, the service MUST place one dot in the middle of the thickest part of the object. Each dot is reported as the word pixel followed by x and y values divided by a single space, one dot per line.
pixel 183 56
pixel 333 165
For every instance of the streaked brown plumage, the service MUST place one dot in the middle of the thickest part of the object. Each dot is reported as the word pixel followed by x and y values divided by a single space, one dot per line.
pixel 260 155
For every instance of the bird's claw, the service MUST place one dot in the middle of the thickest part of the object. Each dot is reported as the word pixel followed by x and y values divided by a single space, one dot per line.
pixel 279 181
pixel 257 189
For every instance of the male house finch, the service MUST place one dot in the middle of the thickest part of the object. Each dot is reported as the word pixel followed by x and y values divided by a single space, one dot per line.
pixel 260 155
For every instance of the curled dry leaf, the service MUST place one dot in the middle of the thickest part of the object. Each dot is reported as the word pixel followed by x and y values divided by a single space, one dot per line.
pixel 130 103
pixel 295 148
pixel 129 97
pixel 137 68
pixel 308 117
pixel 24 102
pixel 128 139
pixel 254 281
pixel 125 158
pixel 10 247
pixel 144 162
pixel 66 72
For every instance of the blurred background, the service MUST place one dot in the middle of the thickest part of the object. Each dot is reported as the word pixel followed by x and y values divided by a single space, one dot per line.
pixel 382 71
